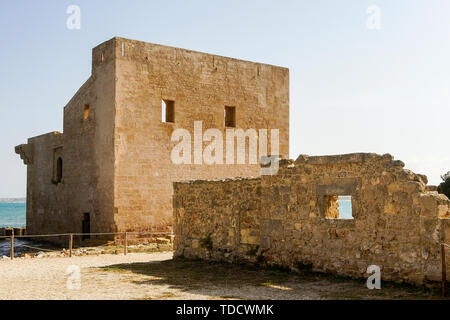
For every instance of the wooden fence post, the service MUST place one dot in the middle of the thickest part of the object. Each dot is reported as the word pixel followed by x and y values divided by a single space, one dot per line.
pixel 12 244
pixel 70 245
pixel 125 244
pixel 444 271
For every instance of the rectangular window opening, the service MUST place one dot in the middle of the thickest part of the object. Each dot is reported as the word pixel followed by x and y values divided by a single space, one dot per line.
pixel 86 111
pixel 230 117
pixel 168 111
pixel 338 207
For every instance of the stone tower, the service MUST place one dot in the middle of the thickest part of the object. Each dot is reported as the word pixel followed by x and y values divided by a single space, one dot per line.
pixel 111 169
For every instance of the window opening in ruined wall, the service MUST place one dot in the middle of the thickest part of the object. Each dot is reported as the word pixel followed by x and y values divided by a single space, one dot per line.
pixel 338 207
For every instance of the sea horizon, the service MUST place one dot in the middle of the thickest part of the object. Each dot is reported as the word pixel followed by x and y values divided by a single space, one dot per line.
pixel 13 199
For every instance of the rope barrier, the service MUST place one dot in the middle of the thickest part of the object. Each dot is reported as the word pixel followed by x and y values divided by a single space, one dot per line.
pixel 12 237
pixel 97 234
pixel 167 233
pixel 83 234
pixel 36 248
pixel 38 236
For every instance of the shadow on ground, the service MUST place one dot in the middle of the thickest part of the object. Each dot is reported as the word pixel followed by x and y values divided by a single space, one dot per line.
pixel 232 281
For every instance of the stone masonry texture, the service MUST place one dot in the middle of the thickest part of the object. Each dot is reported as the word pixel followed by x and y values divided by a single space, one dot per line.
pixel 280 219
pixel 116 162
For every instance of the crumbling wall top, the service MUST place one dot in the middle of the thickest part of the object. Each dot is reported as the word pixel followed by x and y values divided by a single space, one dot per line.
pixel 344 158
pixel 195 181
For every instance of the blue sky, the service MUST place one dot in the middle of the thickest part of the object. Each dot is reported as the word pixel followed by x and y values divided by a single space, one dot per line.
pixel 352 89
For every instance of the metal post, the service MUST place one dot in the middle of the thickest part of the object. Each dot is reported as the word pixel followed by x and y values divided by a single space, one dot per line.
pixel 12 244
pixel 125 244
pixel 70 244
pixel 444 272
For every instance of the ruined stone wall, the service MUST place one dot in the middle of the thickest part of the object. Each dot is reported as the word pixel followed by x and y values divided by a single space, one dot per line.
pixel 201 86
pixel 396 223
pixel 217 219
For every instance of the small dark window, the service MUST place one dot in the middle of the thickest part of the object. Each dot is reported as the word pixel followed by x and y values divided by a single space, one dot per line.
pixel 59 170
pixel 230 117
pixel 86 111
pixel 338 207
pixel 86 226
pixel 168 111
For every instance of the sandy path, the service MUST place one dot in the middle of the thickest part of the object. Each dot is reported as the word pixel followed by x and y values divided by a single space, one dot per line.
pixel 156 276
pixel 47 278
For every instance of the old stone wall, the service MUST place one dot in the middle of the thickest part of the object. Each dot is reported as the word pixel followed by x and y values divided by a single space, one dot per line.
pixel 201 86
pixel 217 219
pixel 281 219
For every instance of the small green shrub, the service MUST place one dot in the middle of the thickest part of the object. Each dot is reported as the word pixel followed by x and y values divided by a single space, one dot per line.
pixel 444 187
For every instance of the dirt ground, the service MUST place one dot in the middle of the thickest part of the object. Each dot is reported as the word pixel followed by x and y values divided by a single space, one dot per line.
pixel 157 276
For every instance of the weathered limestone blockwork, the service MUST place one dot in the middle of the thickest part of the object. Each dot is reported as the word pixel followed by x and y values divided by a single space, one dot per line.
pixel 116 161
pixel 226 215
pixel 280 219
pixel 38 154
pixel 202 86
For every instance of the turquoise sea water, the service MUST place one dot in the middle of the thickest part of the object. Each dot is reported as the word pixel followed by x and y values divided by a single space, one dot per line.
pixel 12 214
